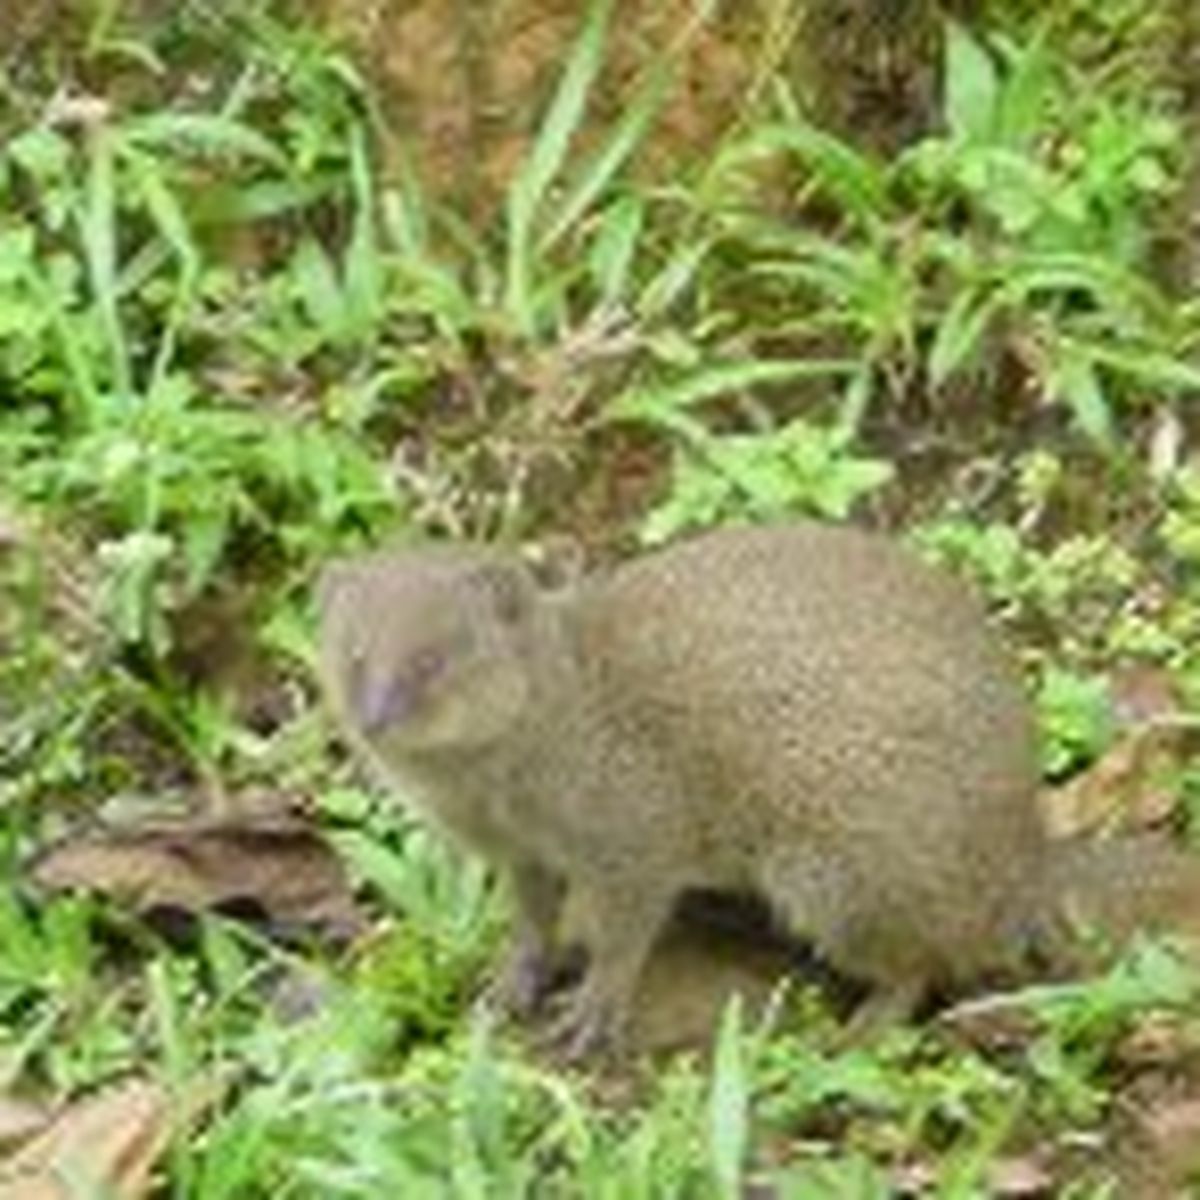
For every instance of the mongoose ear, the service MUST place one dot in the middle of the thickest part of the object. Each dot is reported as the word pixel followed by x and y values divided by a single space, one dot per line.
pixel 556 563
pixel 509 587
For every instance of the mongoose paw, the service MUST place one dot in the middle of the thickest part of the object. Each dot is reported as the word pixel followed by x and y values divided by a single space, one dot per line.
pixel 585 1029
pixel 529 977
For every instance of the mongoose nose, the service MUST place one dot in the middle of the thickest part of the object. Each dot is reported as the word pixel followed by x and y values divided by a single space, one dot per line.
pixel 383 703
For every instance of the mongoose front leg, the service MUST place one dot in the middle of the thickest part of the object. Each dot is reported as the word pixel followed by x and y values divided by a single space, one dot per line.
pixel 885 1008
pixel 533 968
pixel 622 919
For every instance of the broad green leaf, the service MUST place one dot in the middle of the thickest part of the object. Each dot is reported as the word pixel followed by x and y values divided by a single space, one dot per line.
pixel 971 85
pixel 1073 379
pixel 319 288
pixel 163 207
pixel 1107 282
pixel 70 341
pixel 44 153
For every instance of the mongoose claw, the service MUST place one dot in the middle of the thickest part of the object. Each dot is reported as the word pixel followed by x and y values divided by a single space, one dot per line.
pixel 528 978
pixel 585 1029
pixel 521 985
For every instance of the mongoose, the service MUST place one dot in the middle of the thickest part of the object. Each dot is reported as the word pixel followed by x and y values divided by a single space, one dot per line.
pixel 804 713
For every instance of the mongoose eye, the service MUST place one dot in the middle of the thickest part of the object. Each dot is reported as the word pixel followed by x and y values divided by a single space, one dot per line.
pixel 427 664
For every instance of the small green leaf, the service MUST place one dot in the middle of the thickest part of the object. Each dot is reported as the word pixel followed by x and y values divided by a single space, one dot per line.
pixel 1074 380
pixel 319 288
pixel 971 85
pixel 164 208
pixel 958 333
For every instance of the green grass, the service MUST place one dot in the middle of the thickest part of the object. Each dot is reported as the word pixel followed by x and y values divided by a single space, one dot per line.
pixel 973 340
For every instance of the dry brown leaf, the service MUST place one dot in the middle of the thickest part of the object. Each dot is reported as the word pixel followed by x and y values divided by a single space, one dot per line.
pixel 1159 1149
pixel 1128 788
pixel 107 1144
pixel 997 1022
pixel 12 532
pixel 1023 1177
pixel 19 1121
pixel 278 866
pixel 1142 694
pixel 1157 1040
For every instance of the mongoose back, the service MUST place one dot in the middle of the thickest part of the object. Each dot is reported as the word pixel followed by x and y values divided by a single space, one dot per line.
pixel 804 712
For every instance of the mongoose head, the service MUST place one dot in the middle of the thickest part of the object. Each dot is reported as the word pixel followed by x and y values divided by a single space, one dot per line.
pixel 426 648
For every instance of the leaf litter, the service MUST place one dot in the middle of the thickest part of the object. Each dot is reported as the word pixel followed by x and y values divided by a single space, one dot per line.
pixel 273 867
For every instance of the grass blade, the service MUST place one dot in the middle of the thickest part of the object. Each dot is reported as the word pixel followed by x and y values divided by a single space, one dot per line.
pixel 652 403
pixel 205 132
pixel 729 1106
pixel 614 247
pixel 546 157
pixel 613 155
pixel 363 265
pixel 98 230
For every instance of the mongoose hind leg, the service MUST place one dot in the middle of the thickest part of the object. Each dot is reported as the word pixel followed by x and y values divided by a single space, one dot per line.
pixel 855 928
pixel 622 916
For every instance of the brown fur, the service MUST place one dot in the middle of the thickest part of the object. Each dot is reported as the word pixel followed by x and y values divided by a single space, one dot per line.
pixel 806 713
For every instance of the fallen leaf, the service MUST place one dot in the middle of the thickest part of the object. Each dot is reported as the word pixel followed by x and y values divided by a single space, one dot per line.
pixel 12 532
pixel 278 867
pixel 1157 1040
pixel 19 1121
pixel 1131 786
pixel 107 1144
pixel 1159 1148
pixel 1128 788
pixel 1142 694
pixel 1022 1176
pixel 1016 1178
pixel 998 1022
